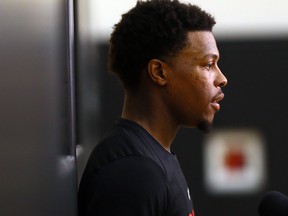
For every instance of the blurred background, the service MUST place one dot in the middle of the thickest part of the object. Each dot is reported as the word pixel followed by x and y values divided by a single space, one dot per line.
pixel 57 100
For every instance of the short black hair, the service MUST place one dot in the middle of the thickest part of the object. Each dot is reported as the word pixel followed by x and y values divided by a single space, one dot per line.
pixel 152 29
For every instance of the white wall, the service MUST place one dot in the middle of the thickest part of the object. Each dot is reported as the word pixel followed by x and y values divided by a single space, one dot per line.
pixel 235 18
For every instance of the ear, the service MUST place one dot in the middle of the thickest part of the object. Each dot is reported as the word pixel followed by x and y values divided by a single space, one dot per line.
pixel 157 70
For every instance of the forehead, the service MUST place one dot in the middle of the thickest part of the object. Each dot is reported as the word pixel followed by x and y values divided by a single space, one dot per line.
pixel 200 44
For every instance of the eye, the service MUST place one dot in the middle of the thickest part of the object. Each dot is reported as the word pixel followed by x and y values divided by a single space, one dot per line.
pixel 209 65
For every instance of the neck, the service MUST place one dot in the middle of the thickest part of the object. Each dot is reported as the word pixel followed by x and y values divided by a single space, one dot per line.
pixel 152 115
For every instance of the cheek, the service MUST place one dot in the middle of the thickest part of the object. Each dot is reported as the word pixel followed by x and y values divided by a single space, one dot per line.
pixel 191 86
pixel 202 93
pixel 201 85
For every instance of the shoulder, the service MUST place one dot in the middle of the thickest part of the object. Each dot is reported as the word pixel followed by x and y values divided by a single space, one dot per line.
pixel 138 167
pixel 128 171
pixel 119 143
pixel 136 174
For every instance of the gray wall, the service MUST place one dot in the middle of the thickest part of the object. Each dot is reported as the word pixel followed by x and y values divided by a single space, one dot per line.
pixel 37 157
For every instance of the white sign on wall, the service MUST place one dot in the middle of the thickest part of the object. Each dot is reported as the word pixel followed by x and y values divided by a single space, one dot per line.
pixel 234 162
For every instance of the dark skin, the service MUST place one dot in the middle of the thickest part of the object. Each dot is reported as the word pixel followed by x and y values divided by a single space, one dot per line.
pixel 184 90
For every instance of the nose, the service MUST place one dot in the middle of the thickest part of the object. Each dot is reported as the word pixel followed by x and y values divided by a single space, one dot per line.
pixel 220 80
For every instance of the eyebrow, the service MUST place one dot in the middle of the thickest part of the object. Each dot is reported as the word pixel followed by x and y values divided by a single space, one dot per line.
pixel 214 56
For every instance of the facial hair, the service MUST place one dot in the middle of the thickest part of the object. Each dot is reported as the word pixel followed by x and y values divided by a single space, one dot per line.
pixel 205 126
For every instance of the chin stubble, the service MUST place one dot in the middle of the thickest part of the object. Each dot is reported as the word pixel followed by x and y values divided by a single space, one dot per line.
pixel 205 126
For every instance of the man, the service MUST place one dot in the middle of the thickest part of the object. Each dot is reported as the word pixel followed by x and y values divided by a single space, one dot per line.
pixel 165 57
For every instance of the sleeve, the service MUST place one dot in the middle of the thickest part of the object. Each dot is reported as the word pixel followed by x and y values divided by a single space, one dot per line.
pixel 130 186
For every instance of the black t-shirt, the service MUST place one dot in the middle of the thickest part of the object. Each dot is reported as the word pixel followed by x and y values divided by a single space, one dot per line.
pixel 129 173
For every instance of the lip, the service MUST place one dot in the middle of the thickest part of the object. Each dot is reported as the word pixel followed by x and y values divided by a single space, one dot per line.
pixel 215 101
